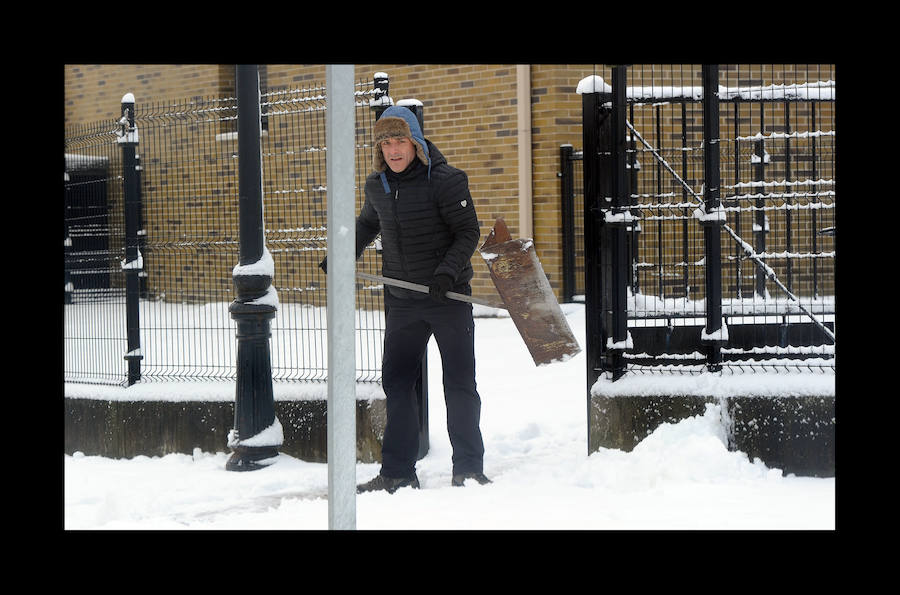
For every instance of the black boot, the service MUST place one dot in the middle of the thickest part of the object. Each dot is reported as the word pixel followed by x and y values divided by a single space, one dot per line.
pixel 459 479
pixel 388 484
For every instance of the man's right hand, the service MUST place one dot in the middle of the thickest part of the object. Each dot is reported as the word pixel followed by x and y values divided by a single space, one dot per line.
pixel 439 287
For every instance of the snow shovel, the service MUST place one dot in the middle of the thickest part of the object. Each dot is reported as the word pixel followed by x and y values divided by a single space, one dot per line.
pixel 527 296
pixel 520 280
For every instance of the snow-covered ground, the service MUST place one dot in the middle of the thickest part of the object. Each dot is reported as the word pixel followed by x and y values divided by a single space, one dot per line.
pixel 534 423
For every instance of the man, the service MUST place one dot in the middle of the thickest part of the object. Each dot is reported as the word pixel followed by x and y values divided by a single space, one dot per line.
pixel 429 231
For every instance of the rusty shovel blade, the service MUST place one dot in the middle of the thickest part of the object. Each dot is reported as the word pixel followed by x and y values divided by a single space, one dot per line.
pixel 520 280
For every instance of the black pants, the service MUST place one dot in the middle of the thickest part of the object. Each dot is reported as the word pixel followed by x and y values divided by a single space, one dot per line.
pixel 409 325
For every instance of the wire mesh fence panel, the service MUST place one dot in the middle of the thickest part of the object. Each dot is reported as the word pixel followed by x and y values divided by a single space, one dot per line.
pixel 190 207
pixel 295 179
pixel 94 315
pixel 667 245
pixel 778 190
pixel 190 240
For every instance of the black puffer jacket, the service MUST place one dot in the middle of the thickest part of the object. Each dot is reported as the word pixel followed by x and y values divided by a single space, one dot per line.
pixel 427 223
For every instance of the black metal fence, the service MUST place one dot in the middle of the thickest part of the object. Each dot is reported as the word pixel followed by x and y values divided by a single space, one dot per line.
pixel 93 240
pixel 186 240
pixel 572 215
pixel 745 160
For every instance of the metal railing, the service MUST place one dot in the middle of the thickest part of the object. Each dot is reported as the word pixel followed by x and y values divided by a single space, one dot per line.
pixel 774 181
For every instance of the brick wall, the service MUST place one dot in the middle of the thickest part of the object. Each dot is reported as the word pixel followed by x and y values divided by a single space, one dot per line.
pixel 94 91
pixel 555 120
pixel 470 114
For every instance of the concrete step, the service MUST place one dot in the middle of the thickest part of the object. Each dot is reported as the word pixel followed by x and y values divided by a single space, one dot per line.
pixel 128 428
pixel 793 433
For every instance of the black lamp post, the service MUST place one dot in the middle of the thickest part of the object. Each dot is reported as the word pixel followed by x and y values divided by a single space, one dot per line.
pixel 257 433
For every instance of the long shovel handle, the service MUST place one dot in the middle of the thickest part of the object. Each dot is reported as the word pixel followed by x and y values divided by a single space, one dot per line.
pixel 424 289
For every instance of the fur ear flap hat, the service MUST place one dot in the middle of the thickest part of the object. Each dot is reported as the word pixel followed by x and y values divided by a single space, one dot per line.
pixel 396 122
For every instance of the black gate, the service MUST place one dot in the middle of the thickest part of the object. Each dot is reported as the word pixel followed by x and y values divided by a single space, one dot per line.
pixel 708 217
pixel 87 227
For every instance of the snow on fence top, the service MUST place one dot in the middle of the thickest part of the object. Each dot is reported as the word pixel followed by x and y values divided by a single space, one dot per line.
pixel 76 161
pixel 819 90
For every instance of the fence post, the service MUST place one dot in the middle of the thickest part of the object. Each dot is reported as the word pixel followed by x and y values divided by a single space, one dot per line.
pixel 257 433
pixel 788 223
pixel 142 232
pixel 633 229
pixel 381 99
pixel 591 101
pixel 132 265
pixel 617 217
pixel 761 224
pixel 567 204
pixel 415 106
pixel 712 219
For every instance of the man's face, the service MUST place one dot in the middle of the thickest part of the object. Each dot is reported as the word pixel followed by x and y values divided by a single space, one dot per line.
pixel 398 153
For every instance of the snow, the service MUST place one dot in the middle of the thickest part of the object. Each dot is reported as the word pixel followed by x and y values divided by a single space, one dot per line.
pixel 823 90
pixel 720 386
pixel 533 420
pixel 621 217
pixel 270 298
pixel 627 343
pixel 137 263
pixel 717 214
pixel 264 266
pixel 592 84
pixel 718 335
pixel 270 436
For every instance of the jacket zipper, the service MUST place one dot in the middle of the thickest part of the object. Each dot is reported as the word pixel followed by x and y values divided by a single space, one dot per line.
pixel 399 235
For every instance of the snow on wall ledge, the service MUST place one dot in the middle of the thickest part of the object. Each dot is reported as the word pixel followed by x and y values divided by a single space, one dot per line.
pixel 210 391
pixel 712 384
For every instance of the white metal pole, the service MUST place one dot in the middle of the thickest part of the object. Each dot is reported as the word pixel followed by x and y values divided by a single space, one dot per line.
pixel 341 296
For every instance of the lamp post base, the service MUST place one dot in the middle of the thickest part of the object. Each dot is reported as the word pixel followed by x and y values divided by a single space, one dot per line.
pixel 254 404
pixel 251 458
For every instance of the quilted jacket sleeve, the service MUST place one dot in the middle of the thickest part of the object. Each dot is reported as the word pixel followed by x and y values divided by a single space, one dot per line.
pixel 367 227
pixel 458 212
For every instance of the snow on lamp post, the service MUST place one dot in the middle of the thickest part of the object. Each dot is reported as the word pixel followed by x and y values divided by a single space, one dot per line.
pixel 257 433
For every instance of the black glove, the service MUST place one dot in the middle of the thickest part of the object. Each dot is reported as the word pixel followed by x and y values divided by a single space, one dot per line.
pixel 324 265
pixel 439 287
